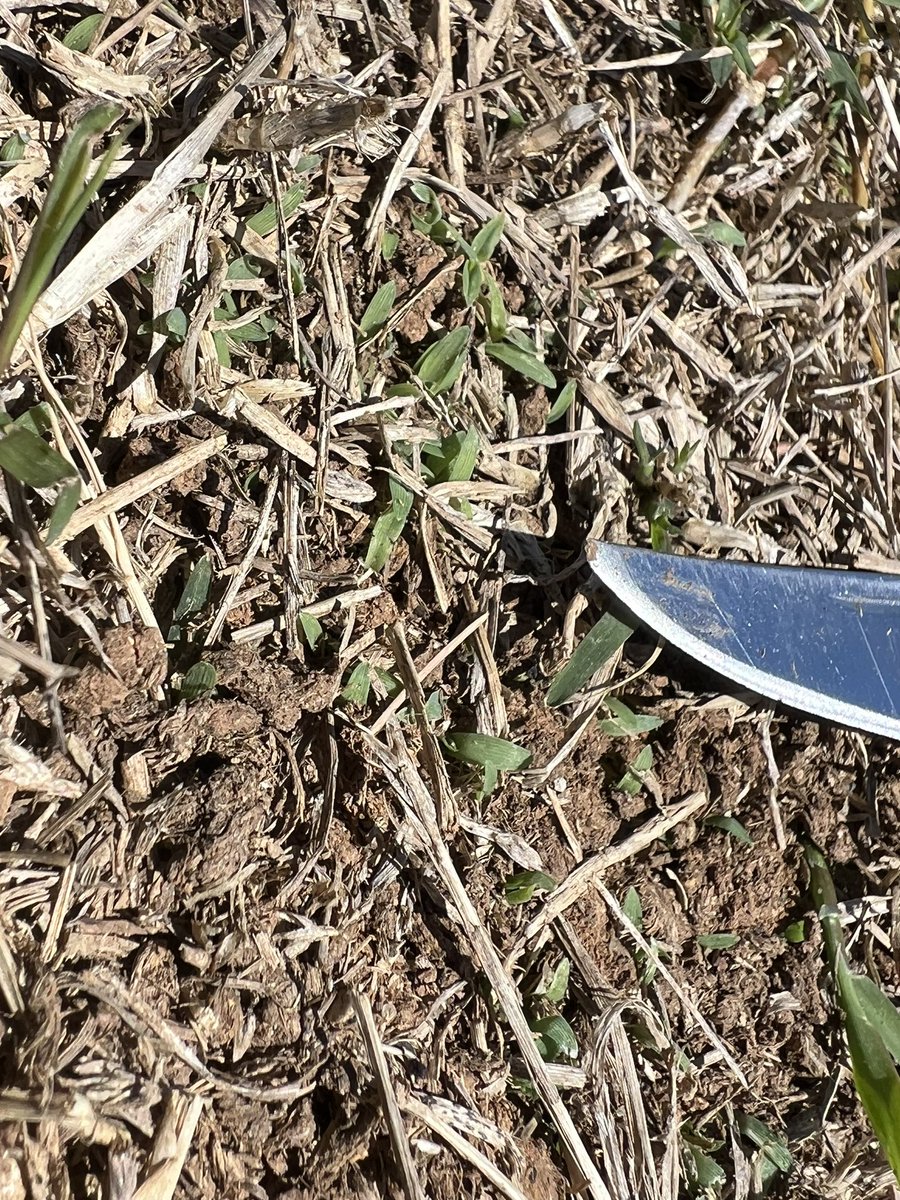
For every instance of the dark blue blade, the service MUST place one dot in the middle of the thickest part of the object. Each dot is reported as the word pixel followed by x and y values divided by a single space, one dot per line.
pixel 824 642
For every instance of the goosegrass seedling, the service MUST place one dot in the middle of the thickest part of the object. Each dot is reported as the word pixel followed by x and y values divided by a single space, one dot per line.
pixel 563 402
pixel 772 1157
pixel 512 348
pixel 519 353
pixel 731 826
pixel 193 597
pixel 653 474
pixel 199 677
pixel 492 754
pixel 198 680
pixel 717 941
pixel 728 31
pixel 442 363
pixel 23 451
pixel 265 221
pixel 555 1037
pixel 310 628
pixel 644 963
pixel 842 78
pixel 66 202
pixel 718 232
pixel 378 311
pixel 795 932
pixel 453 459
pixel 485 750
pixel 622 722
pixel 633 779
pixel 12 150
pixel 595 649
pixel 389 526
pixel 78 38
pixel 525 885
pixel 356 689
pixel 173 325
pixel 703 1176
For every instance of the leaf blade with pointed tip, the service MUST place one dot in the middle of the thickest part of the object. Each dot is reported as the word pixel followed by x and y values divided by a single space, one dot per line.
pixel 65 505
pixel 198 680
pixel 485 750
pixel 29 459
pixel 389 526
pixel 486 241
pixel 520 888
pixel 596 648
pixel 441 364
pixel 526 363
pixel 378 310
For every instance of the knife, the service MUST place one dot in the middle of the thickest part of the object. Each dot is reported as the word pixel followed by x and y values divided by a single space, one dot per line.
pixel 826 642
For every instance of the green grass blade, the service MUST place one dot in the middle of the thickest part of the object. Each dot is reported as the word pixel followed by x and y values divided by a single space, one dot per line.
pixel 562 403
pixel 556 1039
pixel 79 36
pixel 731 826
pixel 880 1013
pixel 455 458
pixel 441 364
pixel 196 590
pixel 494 310
pixel 198 680
pixel 29 459
pixel 773 1145
pixel 556 989
pixel 472 281
pixel 356 689
pixel 389 526
pixel 870 1020
pixel 484 750
pixel 487 239
pixel 622 722
pixel 597 647
pixel 67 198
pixel 874 1074
pixel 378 310
pixel 521 887
pixel 523 361
pixel 311 628
pixel 266 220
pixel 66 503
pixel 824 899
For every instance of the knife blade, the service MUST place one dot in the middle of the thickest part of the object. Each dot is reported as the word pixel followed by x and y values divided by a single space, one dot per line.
pixel 824 641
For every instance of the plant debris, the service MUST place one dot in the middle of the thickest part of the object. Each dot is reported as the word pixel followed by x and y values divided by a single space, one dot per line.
pixel 350 847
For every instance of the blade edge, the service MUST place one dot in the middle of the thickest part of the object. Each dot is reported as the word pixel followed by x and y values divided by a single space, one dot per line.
pixel 610 563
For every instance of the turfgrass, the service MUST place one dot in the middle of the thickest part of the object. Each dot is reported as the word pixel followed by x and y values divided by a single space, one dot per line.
pixel 349 846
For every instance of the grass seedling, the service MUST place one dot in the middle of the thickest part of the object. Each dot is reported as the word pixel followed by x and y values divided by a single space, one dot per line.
pixel 199 677
pixel 633 779
pixel 595 649
pixel 555 1037
pixel 512 348
pixel 389 525
pixel 491 754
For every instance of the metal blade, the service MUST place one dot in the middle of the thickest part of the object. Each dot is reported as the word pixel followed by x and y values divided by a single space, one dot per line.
pixel 826 642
